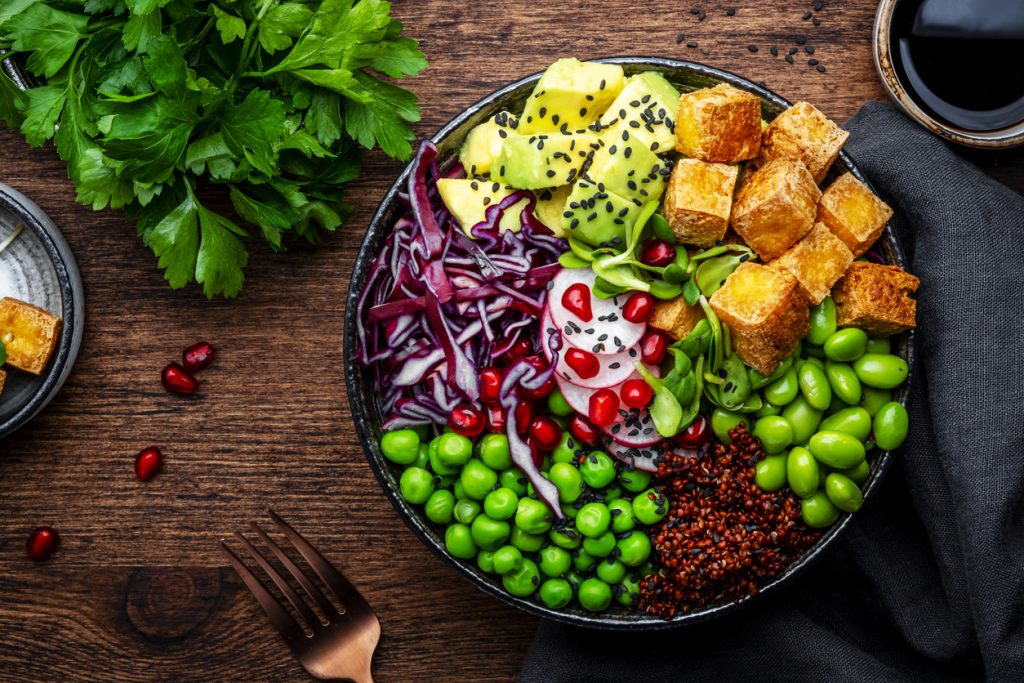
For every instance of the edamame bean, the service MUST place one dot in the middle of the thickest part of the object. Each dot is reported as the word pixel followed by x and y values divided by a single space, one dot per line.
pixel 557 404
pixel 881 370
pixel 514 480
pixel 593 519
pixel 846 345
pixel 722 421
pixel 812 351
pixel 595 595
pixel 875 399
pixel 816 362
pixel 757 380
pixel 775 434
pixel 853 421
pixel 845 382
pixel 454 450
pixel 501 503
pixel 485 560
pixel 843 493
pixel 416 485
pixel 822 322
pixel 767 410
pixel 814 385
pixel 891 425
pixel 770 473
pixel 555 593
pixel 783 390
pixel 494 452
pixel 634 481
pixel 565 451
pixel 567 538
pixel 533 516
pixel 528 543
pixel 858 474
pixel 802 472
pixel 818 511
pixel 554 561
pixel 621 511
pixel 611 570
pixel 634 549
pixel 458 541
pixel 477 479
pixel 489 534
pixel 568 480
pixel 802 418
pixel 401 446
pixel 507 558
pixel 465 510
pixel 523 581
pixel 600 546
pixel 879 345
pixel 837 449
pixel 440 506
pixel 598 469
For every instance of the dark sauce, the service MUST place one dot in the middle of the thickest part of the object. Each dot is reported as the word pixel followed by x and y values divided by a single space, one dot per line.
pixel 971 81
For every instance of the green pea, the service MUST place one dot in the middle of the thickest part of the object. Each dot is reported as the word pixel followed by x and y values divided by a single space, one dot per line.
pixel 611 570
pixel 533 516
pixel 853 421
pixel 436 464
pixel 593 519
pixel 439 506
pixel 422 456
pixel 401 446
pixel 416 485
pixel 557 404
pixel 621 511
pixel 783 390
pixel 569 510
pixel 555 593
pixel 477 479
pixel 803 418
pixel 613 492
pixel 775 434
pixel 722 421
pixel 650 506
pixel 595 595
pixel 837 449
pixel 629 591
pixel 881 370
pixel 875 399
pixel 891 425
pixel 570 539
pixel 598 469
pixel 879 345
pixel 600 546
pixel 634 549
pixel 524 581
pixel 454 450
pixel 554 561
pixel 575 579
pixel 466 510
pixel 802 472
pixel 528 543
pixel 770 473
pixel 843 493
pixel 814 386
pixel 822 321
pixel 488 533
pixel 514 480
pixel 858 474
pixel 493 451
pixel 507 558
pixel 485 560
pixel 846 345
pixel 425 432
pixel 583 561
pixel 458 541
pixel 634 481
pixel 845 382
pixel 501 503
pixel 818 511
pixel 566 449
pixel 568 480
pixel 457 489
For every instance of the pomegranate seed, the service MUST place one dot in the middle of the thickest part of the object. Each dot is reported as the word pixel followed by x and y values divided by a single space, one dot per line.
pixel 524 416
pixel 657 253
pixel 42 542
pixel 638 307
pixel 653 347
pixel 636 393
pixel 695 436
pixel 604 407
pixel 576 300
pixel 545 432
pixel 583 431
pixel 495 420
pixel 537 455
pixel 177 380
pixel 490 385
pixel 516 351
pixel 583 362
pixel 545 389
pixel 148 462
pixel 198 356
pixel 466 420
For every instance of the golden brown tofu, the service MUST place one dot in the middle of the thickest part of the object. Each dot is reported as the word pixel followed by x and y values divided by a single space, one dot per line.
pixel 675 317
pixel 698 201
pixel 766 313
pixel 3 380
pixel 876 298
pixel 775 207
pixel 853 213
pixel 29 334
pixel 719 124
pixel 817 261
pixel 802 132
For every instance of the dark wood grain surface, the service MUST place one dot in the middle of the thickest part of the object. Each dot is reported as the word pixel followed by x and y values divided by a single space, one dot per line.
pixel 139 589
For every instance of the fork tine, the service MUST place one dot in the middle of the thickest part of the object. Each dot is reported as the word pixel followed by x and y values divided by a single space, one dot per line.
pixel 278 616
pixel 311 590
pixel 345 592
pixel 300 606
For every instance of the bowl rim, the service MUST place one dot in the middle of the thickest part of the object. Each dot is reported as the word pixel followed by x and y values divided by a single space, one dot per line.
pixel 1010 136
pixel 422 528
pixel 72 305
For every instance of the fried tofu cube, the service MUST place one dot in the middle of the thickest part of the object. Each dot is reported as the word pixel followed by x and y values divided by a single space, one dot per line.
pixel 719 124
pixel 3 380
pixel 817 261
pixel 802 132
pixel 675 317
pixel 699 200
pixel 876 298
pixel 775 207
pixel 766 314
pixel 853 213
pixel 29 334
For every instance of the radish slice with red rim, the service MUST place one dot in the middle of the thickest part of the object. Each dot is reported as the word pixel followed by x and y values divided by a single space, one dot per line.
pixel 607 332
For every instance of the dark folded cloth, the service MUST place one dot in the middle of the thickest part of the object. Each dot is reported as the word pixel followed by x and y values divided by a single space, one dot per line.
pixel 928 582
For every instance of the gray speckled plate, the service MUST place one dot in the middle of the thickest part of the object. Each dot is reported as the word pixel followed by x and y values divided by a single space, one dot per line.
pixel 37 266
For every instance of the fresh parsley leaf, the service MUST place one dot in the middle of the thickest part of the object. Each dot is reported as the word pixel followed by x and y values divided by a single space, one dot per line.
pixel 251 128
pixel 282 24
pixel 324 117
pixel 222 255
pixel 149 137
pixel 140 29
pixel 231 27
pixel 175 241
pixel 270 211
pixel 42 109
pixel 12 101
pixel 51 35
pixel 384 119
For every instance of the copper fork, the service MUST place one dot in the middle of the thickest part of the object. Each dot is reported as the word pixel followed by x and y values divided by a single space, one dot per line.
pixel 337 643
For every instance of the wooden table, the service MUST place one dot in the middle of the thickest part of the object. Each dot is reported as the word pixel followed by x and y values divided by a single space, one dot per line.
pixel 139 589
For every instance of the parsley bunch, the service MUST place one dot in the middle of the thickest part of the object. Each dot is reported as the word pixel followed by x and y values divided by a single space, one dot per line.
pixel 150 102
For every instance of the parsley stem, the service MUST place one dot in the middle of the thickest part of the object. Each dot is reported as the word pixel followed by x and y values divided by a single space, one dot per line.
pixel 247 43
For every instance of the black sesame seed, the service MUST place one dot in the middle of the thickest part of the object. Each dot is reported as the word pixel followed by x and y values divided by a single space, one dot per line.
pixel 789 58
pixel 554 119
pixel 812 62
pixel 794 50
pixel 816 21
pixel 654 146
pixel 752 48
pixel 627 152
pixel 475 185
pixel 695 10
pixel 731 11
pixel 819 5
pixel 551 174
pixel 800 40
pixel 692 43
pixel 487 200
pixel 809 49
pixel 774 50
pixel 495 187
pixel 820 68
pixel 543 112
pixel 807 15
pixel 680 38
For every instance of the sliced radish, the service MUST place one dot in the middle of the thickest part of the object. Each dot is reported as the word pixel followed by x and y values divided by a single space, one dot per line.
pixel 635 428
pixel 607 332
pixel 642 458
pixel 614 369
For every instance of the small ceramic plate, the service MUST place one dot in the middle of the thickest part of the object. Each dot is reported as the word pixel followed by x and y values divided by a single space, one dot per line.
pixel 37 266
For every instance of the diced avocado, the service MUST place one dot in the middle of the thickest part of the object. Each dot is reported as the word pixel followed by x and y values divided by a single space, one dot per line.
pixel 596 216
pixel 570 96
pixel 550 205
pixel 628 168
pixel 533 162
pixel 483 144
pixel 646 108
pixel 468 200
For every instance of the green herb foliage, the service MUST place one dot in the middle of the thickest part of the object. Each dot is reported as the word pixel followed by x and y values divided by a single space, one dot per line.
pixel 151 102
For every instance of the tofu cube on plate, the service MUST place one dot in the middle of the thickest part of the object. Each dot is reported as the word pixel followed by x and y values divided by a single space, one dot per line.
pixel 802 132
pixel 699 200
pixel 817 261
pixel 876 298
pixel 719 124
pixel 775 207
pixel 29 334
pixel 854 213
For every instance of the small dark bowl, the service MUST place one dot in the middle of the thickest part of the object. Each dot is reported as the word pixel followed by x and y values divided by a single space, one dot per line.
pixel 363 399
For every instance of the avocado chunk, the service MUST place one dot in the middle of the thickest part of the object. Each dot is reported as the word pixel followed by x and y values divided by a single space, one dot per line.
pixel 570 96
pixel 647 108
pixel 533 162
pixel 469 198
pixel 483 144
pixel 550 205
pixel 597 216
pixel 628 168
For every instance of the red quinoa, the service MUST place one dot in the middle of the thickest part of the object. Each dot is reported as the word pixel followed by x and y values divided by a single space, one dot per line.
pixel 723 537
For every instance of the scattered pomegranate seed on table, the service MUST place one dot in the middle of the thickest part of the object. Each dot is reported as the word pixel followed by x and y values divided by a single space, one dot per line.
pixel 148 463
pixel 177 380
pixel 197 356
pixel 466 420
pixel 42 542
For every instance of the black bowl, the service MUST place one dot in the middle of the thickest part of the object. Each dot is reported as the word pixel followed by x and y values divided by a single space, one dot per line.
pixel 363 399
